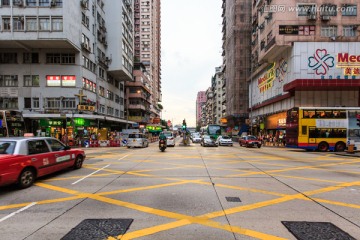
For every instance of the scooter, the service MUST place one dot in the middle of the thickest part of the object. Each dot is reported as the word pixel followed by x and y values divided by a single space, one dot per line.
pixel 162 145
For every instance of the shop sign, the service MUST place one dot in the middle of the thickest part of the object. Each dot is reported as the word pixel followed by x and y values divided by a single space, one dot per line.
pixel 79 121
pixel 68 81
pixel 267 80
pixel 0 123
pixel 51 123
pixel 282 122
pixel 53 81
pixel 322 62
pixel 289 29
pixel 156 120
pixel 86 108
pixel 276 121
pixel 223 120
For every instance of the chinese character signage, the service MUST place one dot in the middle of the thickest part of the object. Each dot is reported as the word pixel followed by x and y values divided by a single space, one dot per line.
pixel 58 81
pixel 86 108
pixel 53 81
pixel 68 81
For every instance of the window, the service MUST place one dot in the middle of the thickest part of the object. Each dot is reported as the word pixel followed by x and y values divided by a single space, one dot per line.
pixel 85 20
pixel 6 2
pixel 102 91
pixel 18 23
pixel 101 73
pixel 349 10
pixel 110 95
pixel 31 58
pixel 53 103
pixel 117 98
pixel 102 108
pixel 306 9
pixel 349 31
pixel 36 103
pixel 9 103
pixel 9 81
pixel 8 58
pixel 31 24
pixel 44 3
pixel 37 147
pixel 57 24
pixel 68 103
pixel 6 24
pixel 117 113
pixel 31 81
pixel 60 58
pixel 44 24
pixel 329 31
pixel 58 3
pixel 31 3
pixel 27 102
pixel 55 145
pixel 67 58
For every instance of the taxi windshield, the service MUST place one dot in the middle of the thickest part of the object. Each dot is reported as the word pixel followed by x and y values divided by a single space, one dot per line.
pixel 7 147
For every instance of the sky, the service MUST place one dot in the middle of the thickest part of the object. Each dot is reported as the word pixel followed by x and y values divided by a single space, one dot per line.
pixel 191 49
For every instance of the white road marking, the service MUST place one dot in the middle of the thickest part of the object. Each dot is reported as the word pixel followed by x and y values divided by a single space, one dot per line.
pixel 18 211
pixel 123 157
pixel 90 174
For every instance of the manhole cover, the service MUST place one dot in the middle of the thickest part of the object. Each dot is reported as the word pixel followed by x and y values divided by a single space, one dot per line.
pixel 98 229
pixel 233 199
pixel 316 230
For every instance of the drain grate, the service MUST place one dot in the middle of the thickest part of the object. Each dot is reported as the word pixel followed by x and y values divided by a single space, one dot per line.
pixel 316 230
pixel 233 199
pixel 98 229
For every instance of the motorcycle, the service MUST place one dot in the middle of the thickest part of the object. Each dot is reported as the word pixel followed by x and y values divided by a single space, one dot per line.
pixel 162 145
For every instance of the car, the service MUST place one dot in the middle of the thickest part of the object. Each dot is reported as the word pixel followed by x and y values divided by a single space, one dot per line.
pixel 250 141
pixel 196 138
pixel 137 140
pixel 206 140
pixel 23 159
pixel 224 141
pixel 170 139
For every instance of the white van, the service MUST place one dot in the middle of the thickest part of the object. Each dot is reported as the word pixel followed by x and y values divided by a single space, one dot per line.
pixel 137 140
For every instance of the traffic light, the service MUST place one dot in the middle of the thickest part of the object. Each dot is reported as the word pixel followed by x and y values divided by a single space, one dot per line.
pixel 184 125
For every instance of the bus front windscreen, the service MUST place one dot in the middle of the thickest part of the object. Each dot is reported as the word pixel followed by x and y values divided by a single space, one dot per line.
pixel 214 130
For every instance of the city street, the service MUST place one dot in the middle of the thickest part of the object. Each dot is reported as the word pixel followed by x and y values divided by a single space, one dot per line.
pixel 213 193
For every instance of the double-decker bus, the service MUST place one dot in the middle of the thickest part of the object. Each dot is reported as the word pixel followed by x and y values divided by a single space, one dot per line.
pixel 213 130
pixel 322 128
pixel 11 123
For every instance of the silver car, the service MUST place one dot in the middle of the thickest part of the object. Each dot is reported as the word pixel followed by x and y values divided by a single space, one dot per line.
pixel 137 140
pixel 170 139
pixel 224 141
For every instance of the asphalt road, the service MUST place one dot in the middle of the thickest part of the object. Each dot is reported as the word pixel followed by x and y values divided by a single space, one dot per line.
pixel 189 193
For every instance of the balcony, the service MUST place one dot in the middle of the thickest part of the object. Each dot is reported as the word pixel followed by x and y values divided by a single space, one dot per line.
pixel 271 49
pixel 137 106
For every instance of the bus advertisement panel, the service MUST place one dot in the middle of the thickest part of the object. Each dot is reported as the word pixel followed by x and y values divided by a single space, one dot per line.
pixel 321 128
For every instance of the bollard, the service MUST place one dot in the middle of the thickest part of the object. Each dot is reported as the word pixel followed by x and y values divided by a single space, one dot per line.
pixel 350 148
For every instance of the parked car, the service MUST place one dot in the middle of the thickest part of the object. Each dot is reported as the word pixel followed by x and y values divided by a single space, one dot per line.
pixel 250 141
pixel 224 141
pixel 137 140
pixel 24 159
pixel 196 138
pixel 170 139
pixel 206 140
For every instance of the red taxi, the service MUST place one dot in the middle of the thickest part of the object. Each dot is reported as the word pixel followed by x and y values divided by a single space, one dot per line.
pixel 24 159
pixel 250 141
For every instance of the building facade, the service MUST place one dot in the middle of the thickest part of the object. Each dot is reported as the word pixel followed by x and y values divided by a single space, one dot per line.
pixel 209 107
pixel 302 58
pixel 66 61
pixel 217 83
pixel 148 47
pixel 236 58
pixel 200 102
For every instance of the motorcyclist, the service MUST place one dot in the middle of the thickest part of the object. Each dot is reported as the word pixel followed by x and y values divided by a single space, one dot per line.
pixel 162 137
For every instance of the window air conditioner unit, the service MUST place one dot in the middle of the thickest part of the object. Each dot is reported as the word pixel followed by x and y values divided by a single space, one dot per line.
pixel 325 17
pixel 84 3
pixel 53 3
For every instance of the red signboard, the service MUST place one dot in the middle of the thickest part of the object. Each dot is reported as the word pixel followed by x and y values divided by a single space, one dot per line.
pixel 53 81
pixel 68 81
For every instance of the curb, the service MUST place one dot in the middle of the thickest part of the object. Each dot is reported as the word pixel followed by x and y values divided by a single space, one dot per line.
pixel 348 154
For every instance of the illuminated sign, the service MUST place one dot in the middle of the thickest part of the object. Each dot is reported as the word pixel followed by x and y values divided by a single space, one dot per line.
pixel 68 81
pixel 79 121
pixel 0 123
pixel 86 108
pixel 346 58
pixel 267 80
pixel 53 81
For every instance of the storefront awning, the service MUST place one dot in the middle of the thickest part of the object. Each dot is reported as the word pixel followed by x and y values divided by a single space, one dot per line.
pixel 69 115
pixel 322 85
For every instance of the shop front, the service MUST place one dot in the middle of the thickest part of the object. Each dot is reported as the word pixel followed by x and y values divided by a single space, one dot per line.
pixel 276 125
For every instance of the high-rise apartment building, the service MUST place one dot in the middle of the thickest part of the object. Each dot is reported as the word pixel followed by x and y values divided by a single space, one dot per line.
pixel 304 54
pixel 64 63
pixel 236 58
pixel 148 46
pixel 200 102
pixel 217 82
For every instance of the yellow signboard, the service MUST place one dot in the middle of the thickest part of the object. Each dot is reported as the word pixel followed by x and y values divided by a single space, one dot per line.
pixel 86 108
